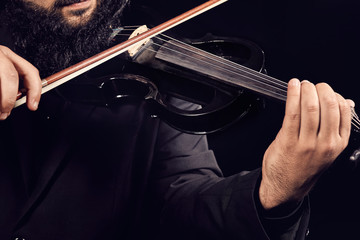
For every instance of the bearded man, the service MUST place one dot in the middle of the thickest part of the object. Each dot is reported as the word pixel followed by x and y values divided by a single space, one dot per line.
pixel 73 170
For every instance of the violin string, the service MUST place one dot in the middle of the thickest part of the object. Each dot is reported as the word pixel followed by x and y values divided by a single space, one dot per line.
pixel 355 122
pixel 122 34
pixel 280 96
pixel 134 27
pixel 214 57
pixel 270 80
pixel 355 116
pixel 353 112
pixel 356 125
pixel 355 119
pixel 267 82
pixel 230 63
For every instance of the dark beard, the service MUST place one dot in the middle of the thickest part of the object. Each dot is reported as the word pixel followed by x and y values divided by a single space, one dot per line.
pixel 50 44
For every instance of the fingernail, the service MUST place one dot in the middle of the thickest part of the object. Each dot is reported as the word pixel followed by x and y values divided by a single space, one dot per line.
pixel 294 82
pixel 351 103
pixel 3 116
pixel 305 81
pixel 35 104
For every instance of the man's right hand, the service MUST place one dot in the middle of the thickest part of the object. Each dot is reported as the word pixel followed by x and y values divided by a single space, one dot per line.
pixel 12 68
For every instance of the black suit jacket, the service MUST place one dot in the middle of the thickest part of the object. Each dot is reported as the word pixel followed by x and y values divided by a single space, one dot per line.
pixel 76 171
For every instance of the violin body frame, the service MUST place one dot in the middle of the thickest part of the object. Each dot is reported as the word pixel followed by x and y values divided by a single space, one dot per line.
pixel 216 105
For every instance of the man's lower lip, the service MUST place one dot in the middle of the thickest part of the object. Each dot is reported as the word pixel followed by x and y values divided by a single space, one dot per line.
pixel 80 5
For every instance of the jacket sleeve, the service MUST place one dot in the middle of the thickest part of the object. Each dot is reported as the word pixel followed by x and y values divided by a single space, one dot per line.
pixel 199 203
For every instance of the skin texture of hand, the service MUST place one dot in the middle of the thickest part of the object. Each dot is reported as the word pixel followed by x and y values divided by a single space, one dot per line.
pixel 315 130
pixel 12 68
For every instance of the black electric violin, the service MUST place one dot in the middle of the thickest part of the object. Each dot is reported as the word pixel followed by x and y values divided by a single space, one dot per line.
pixel 145 74
pixel 195 72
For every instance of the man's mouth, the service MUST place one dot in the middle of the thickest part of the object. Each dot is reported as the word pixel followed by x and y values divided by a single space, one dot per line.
pixel 65 3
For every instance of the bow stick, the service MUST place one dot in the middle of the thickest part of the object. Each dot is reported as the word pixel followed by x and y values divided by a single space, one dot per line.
pixel 71 72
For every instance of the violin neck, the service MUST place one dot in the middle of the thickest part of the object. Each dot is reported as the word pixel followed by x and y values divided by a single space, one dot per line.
pixel 188 58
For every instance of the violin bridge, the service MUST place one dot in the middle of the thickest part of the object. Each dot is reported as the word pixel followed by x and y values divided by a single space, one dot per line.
pixel 133 50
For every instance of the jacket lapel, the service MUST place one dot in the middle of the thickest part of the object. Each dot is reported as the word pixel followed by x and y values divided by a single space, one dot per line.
pixel 53 150
pixel 45 178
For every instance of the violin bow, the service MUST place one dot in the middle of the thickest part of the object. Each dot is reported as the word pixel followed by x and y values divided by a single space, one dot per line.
pixel 73 71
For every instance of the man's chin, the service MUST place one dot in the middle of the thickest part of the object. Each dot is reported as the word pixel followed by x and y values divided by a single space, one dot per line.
pixel 77 17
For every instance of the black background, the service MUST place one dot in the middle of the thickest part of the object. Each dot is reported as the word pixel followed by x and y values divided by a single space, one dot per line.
pixel 308 39
pixel 313 40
